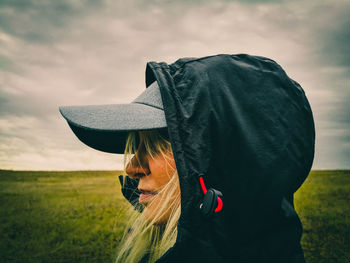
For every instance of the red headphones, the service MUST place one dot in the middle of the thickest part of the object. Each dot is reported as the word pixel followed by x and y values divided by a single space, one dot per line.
pixel 212 202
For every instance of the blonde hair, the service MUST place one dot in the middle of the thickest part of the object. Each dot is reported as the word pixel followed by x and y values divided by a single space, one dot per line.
pixel 144 237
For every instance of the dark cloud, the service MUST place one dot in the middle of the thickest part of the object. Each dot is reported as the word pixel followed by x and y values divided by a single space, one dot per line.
pixel 337 42
pixel 329 22
pixel 41 21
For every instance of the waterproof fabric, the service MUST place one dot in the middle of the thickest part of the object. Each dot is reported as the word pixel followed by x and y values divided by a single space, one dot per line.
pixel 247 128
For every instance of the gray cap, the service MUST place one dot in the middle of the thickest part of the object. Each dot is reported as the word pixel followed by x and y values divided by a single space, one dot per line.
pixel 105 127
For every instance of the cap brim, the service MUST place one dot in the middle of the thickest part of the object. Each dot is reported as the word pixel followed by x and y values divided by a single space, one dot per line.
pixel 105 127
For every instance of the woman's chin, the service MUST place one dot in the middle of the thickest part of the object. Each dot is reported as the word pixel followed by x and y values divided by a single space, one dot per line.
pixel 151 215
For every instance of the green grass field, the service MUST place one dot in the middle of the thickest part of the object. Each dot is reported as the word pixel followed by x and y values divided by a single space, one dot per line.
pixel 78 216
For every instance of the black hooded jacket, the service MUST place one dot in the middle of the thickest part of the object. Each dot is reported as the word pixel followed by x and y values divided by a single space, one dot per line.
pixel 247 128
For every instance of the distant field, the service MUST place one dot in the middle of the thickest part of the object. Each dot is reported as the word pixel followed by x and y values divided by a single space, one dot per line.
pixel 78 216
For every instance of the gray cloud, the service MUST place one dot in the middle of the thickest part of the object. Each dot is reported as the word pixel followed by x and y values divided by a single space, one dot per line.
pixel 41 22
pixel 69 53
pixel 332 33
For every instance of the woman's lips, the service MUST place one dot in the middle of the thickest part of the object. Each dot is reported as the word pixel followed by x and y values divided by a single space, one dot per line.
pixel 145 197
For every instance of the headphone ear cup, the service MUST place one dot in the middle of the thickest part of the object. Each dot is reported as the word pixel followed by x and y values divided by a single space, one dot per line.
pixel 210 202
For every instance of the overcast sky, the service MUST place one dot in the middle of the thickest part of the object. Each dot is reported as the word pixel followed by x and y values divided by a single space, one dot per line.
pixel 55 53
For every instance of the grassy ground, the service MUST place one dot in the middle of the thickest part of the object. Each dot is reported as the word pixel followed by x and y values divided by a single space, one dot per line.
pixel 323 203
pixel 60 216
pixel 78 216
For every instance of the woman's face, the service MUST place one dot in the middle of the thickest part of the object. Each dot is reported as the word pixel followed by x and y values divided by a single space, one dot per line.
pixel 153 174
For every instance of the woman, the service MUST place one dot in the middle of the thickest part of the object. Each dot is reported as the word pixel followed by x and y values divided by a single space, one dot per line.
pixel 241 134
pixel 154 230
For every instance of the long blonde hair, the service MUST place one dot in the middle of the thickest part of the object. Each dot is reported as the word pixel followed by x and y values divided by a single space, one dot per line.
pixel 145 237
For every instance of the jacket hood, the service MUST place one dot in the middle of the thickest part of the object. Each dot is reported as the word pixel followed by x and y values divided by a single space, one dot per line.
pixel 246 128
